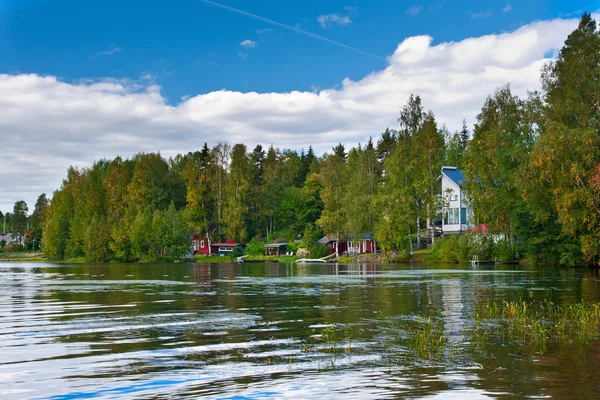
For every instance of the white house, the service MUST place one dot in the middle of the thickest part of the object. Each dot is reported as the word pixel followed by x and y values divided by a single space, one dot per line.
pixel 455 217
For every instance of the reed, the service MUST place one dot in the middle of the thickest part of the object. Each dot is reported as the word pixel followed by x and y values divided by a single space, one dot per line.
pixel 542 321
pixel 428 340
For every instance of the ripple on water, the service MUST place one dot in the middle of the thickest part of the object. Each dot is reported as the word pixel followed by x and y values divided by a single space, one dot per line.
pixel 224 331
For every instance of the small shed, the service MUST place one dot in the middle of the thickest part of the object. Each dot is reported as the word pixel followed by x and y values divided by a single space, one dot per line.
pixel 275 249
pixel 223 249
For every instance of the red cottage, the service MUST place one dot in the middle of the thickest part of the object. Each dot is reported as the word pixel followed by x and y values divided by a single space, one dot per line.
pixel 356 245
pixel 200 245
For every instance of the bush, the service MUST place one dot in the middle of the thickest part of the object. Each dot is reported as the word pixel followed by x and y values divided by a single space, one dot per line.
pixel 237 252
pixel 482 246
pixel 399 258
pixel 14 247
pixel 255 247
pixel 447 250
pixel 504 251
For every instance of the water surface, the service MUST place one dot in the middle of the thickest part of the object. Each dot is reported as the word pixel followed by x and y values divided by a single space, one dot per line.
pixel 102 331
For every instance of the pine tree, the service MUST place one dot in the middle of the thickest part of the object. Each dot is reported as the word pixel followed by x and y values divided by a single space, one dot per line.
pixel 464 135
pixel 340 152
pixel 19 220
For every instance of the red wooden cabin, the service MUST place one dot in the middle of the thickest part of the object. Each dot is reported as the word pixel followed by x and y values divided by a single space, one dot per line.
pixel 356 245
pixel 200 245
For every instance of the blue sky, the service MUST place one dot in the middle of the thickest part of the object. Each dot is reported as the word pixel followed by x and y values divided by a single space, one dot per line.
pixel 86 80
pixel 190 47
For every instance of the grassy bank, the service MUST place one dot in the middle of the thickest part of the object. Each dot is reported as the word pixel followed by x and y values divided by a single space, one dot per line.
pixel 418 257
pixel 23 257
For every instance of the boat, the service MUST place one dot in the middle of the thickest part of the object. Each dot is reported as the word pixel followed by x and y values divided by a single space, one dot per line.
pixel 311 261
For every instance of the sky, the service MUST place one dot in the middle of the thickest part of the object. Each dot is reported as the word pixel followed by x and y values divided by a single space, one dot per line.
pixel 86 80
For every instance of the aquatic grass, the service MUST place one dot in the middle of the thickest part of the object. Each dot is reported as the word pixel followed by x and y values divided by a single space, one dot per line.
pixel 540 322
pixel 428 341
pixel 330 340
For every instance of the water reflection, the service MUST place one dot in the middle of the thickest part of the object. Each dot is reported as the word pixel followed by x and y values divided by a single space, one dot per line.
pixel 227 330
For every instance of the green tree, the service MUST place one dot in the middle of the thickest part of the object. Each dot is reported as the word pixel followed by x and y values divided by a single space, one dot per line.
pixel 340 151
pixel 428 154
pixel 333 180
pixel 502 140
pixel 363 178
pixel 197 175
pixel 567 152
pixel 57 225
pixel 39 212
pixel 97 240
pixel 256 193
pixel 221 154
pixel 19 220
pixel 238 185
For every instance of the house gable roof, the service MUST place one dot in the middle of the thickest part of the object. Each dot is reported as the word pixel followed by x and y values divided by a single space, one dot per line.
pixel 455 175
pixel 353 236
pixel 275 245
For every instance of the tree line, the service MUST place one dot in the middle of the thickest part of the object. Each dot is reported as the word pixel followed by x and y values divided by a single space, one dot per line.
pixel 531 166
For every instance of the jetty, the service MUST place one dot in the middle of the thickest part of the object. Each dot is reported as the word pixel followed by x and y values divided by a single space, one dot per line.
pixel 322 260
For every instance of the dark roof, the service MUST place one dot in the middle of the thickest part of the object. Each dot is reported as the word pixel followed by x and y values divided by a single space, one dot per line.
pixel 456 175
pixel 326 239
pixel 276 244
pixel 226 244
pixel 355 236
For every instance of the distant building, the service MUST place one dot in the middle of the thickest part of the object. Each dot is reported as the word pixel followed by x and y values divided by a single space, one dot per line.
pixel 200 245
pixel 276 249
pixel 455 215
pixel 356 244
pixel 6 237
pixel 223 249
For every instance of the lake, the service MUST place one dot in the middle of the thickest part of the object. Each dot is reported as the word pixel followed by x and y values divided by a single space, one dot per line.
pixel 246 331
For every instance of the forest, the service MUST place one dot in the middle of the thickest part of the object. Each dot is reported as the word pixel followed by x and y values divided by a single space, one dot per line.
pixel 531 165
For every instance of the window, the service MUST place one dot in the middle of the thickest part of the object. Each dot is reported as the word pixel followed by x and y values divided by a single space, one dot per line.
pixel 225 249
pixel 195 245
pixel 451 217
pixel 453 197
pixel 202 243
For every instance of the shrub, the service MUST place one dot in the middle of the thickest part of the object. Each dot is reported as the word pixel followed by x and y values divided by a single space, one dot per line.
pixel 255 247
pixel 504 251
pixel 14 247
pixel 237 252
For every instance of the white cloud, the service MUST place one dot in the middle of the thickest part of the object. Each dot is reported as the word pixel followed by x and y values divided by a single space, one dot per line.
pixel 481 14
pixel 111 50
pixel 334 19
pixel 507 7
pixel 351 10
pixel 48 124
pixel 242 55
pixel 263 31
pixel 249 44
pixel 414 10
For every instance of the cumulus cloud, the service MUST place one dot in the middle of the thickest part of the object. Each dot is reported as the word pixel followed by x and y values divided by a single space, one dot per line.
pixel 414 10
pixel 334 19
pixel 248 44
pixel 48 124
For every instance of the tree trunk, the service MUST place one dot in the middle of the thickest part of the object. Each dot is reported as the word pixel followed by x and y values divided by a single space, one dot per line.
pixel 418 226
